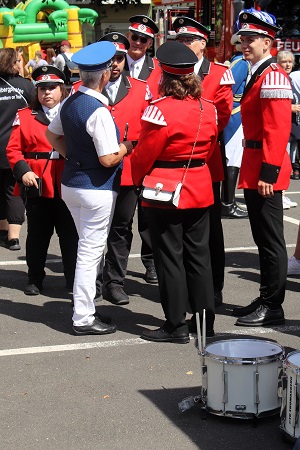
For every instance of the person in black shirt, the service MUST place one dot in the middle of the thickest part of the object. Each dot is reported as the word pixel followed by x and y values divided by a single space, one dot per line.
pixel 15 93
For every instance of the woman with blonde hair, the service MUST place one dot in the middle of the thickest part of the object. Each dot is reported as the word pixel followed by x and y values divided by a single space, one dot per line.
pixel 34 63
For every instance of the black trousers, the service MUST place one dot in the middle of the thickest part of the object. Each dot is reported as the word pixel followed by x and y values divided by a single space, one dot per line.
pixel 120 237
pixel 266 220
pixel 11 207
pixel 143 227
pixel 216 240
pixel 182 260
pixel 43 216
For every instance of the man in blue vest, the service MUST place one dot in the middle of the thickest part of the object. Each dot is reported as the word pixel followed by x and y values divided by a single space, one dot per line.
pixel 85 134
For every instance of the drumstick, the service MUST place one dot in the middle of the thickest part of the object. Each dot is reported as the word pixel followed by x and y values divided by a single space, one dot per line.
pixel 204 328
pixel 198 333
pixel 125 132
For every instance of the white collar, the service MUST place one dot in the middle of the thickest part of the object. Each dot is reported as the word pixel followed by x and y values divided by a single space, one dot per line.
pixel 93 93
pixel 198 65
pixel 116 83
pixel 256 65
pixel 53 111
pixel 134 62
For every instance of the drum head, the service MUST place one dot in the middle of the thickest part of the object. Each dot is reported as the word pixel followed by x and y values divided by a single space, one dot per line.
pixel 293 360
pixel 241 349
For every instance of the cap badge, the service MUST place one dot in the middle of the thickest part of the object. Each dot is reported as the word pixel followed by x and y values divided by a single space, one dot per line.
pixel 145 20
pixel 46 77
pixel 142 27
pixel 181 21
pixel 245 16
pixel 44 68
pixel 115 37
pixel 182 29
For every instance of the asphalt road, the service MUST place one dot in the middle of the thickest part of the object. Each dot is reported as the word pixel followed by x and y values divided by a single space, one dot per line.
pixel 59 391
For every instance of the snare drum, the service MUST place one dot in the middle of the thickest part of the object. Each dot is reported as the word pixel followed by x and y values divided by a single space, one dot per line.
pixel 290 395
pixel 240 378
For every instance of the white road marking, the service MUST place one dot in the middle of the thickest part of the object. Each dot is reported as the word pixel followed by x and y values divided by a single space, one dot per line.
pixel 291 220
pixel 134 255
pixel 137 341
pixel 70 347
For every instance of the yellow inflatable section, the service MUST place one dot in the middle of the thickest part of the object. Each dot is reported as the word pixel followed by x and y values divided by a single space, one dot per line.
pixel 35 24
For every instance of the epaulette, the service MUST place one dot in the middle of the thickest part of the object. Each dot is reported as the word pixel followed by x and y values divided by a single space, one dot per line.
pixel 227 78
pixel 274 66
pixel 154 115
pixel 276 85
pixel 16 120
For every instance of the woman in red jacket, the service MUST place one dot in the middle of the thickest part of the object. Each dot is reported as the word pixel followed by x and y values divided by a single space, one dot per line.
pixel 31 156
pixel 178 135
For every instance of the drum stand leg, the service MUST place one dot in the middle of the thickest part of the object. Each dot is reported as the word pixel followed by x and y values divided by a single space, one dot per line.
pixel 203 412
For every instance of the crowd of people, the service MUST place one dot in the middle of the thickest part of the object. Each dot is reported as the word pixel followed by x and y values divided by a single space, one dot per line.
pixel 134 123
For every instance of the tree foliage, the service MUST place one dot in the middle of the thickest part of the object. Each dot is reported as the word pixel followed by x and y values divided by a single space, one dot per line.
pixel 287 13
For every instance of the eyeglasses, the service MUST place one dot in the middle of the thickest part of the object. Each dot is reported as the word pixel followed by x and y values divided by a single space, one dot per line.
pixel 188 40
pixel 136 37
pixel 118 58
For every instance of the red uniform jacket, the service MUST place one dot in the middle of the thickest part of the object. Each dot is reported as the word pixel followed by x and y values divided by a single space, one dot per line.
pixel 168 134
pixel 132 98
pixel 266 117
pixel 28 135
pixel 150 72
pixel 217 80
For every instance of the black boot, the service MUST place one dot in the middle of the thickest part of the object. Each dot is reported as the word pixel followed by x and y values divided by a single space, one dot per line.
pixel 230 208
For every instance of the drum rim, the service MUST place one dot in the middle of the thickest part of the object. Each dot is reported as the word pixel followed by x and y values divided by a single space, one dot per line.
pixel 247 360
pixel 288 363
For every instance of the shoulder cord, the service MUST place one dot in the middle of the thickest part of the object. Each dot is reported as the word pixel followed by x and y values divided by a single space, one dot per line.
pixel 194 145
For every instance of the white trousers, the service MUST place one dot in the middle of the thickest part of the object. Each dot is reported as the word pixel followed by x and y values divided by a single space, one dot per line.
pixel 234 149
pixel 92 211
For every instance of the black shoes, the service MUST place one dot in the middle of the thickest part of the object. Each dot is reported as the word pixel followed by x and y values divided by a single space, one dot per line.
pixel 262 316
pixel 32 289
pixel 244 311
pixel 218 296
pixel 295 175
pixel 233 211
pixel 150 275
pixel 116 295
pixel 97 327
pixel 178 336
pixel 13 244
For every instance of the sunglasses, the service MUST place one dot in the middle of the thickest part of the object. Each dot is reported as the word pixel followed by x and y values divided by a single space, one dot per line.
pixel 48 87
pixel 136 37
pixel 187 41
pixel 118 58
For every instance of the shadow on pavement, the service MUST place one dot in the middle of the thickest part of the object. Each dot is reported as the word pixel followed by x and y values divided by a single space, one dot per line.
pixel 217 433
